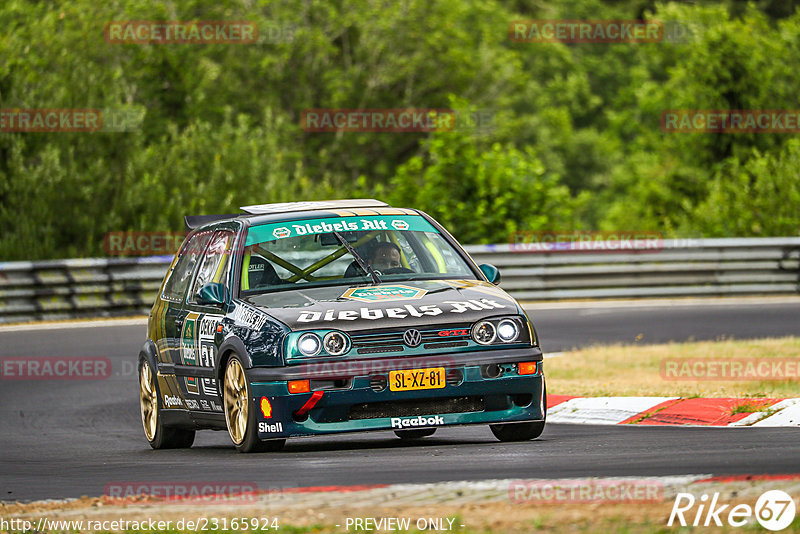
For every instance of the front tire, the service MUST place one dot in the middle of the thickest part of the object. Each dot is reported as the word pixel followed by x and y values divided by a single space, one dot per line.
pixel 518 431
pixel 407 435
pixel 158 435
pixel 239 417
pixel 522 431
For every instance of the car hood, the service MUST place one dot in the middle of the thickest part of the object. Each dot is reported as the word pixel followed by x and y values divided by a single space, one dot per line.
pixel 386 305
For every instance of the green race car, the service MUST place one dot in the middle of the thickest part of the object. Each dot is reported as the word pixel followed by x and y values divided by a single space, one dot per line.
pixel 310 318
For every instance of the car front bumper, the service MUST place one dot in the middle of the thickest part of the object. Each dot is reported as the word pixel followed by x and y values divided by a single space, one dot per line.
pixel 472 395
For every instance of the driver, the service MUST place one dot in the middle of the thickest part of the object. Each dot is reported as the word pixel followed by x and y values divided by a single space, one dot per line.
pixel 385 255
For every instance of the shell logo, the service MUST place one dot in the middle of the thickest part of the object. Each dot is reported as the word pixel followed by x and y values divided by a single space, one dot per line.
pixel 266 408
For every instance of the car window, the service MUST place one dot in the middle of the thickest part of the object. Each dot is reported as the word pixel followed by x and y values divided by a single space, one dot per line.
pixel 214 266
pixel 304 253
pixel 181 275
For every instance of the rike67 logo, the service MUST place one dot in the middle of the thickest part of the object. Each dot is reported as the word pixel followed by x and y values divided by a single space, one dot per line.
pixel 774 510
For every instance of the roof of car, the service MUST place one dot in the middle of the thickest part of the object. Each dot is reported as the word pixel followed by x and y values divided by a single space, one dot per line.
pixel 286 207
pixel 263 213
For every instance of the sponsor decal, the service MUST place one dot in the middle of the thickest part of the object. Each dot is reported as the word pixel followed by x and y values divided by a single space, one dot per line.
pixel 267 428
pixel 273 231
pixel 171 400
pixel 407 310
pixel 249 317
pixel 198 348
pixel 192 404
pixel 383 293
pixel 406 422
pixel 215 406
pixel 204 404
pixel 266 408
pixel 281 232
pixel 399 225
pixel 453 333
pixel 189 354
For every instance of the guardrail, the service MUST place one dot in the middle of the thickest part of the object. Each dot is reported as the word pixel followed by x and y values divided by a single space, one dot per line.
pixel 63 289
pixel 677 267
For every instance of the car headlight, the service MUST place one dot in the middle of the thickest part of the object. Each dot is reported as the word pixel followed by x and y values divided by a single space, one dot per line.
pixel 321 343
pixel 309 344
pixel 335 343
pixel 484 332
pixel 507 330
pixel 502 330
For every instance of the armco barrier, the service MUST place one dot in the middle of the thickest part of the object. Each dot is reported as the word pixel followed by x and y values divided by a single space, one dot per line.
pixel 63 289
pixel 679 267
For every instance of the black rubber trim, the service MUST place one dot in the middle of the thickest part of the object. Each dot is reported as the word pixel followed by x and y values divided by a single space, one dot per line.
pixel 185 370
pixel 532 354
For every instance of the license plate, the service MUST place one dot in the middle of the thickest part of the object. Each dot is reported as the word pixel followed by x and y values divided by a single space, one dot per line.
pixel 411 379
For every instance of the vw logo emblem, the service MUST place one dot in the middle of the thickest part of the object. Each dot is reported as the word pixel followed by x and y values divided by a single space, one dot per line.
pixel 412 338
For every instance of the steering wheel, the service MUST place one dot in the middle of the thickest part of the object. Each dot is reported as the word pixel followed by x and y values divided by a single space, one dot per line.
pixel 397 270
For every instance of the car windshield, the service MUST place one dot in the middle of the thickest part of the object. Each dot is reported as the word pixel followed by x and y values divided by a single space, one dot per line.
pixel 310 253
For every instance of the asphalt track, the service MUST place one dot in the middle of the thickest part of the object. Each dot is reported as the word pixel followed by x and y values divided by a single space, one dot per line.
pixel 70 438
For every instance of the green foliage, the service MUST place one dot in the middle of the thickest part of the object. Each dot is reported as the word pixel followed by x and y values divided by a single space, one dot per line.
pixel 575 143
pixel 484 196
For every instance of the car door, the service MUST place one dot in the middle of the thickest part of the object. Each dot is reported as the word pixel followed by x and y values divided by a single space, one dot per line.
pixel 200 321
pixel 173 297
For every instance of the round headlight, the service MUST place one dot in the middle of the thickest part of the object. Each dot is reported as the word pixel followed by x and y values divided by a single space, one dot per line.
pixel 309 344
pixel 335 343
pixel 507 330
pixel 483 332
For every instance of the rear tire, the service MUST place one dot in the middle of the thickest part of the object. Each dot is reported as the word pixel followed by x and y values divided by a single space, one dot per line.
pixel 408 435
pixel 240 415
pixel 158 435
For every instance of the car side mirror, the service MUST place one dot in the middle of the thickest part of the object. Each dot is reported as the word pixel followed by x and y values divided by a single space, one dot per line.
pixel 491 272
pixel 212 294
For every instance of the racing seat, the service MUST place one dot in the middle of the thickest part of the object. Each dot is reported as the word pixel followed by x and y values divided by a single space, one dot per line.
pixel 260 272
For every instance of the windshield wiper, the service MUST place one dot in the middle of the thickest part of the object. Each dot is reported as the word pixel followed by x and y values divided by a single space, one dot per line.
pixel 363 264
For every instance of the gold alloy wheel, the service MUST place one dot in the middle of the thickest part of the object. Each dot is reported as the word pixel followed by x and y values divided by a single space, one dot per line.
pixel 235 401
pixel 148 402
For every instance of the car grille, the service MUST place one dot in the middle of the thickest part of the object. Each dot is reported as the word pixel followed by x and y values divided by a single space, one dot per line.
pixel 392 342
pixel 372 410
